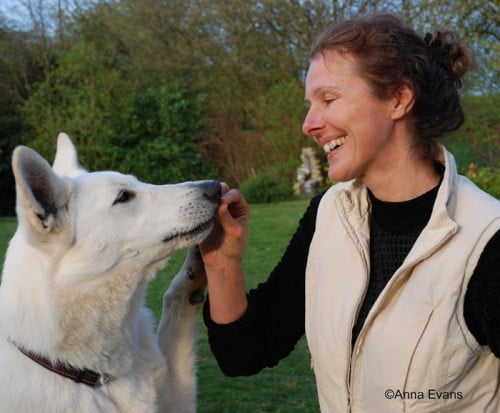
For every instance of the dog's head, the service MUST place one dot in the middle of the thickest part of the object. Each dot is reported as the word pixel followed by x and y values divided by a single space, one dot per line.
pixel 103 220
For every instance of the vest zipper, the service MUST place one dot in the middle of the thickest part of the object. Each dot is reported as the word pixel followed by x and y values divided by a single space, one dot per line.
pixel 364 255
pixel 353 346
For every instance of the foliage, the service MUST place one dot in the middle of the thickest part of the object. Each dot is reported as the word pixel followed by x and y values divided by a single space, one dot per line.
pixel 8 116
pixel 159 142
pixel 89 67
pixel 476 145
pixel 488 180
pixel 279 113
pixel 18 69
pixel 149 131
pixel 267 186
pixel 478 140
pixel 83 96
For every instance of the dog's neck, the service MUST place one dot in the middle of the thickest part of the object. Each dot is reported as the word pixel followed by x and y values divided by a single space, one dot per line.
pixel 86 327
pixel 100 325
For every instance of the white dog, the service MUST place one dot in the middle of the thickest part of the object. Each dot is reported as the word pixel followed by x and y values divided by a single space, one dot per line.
pixel 74 334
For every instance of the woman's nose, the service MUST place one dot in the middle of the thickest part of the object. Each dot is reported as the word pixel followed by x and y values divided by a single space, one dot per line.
pixel 313 122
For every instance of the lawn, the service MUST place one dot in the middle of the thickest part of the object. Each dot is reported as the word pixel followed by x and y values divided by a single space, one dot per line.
pixel 287 388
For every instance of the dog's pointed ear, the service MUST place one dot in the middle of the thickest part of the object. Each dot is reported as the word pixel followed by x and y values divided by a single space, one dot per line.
pixel 41 194
pixel 66 161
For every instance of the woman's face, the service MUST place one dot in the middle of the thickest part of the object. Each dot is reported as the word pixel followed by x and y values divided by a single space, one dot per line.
pixel 353 126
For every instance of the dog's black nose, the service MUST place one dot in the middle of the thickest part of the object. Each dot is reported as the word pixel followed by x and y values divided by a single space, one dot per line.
pixel 212 190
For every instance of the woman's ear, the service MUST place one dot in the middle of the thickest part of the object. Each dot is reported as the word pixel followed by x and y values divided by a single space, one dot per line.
pixel 404 99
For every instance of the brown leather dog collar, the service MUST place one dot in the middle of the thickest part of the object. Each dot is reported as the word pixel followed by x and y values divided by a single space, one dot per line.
pixel 88 377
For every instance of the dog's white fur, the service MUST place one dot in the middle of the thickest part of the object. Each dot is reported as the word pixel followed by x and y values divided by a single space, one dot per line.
pixel 73 284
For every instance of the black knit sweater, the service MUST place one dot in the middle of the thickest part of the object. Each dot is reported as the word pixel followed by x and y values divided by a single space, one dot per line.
pixel 274 320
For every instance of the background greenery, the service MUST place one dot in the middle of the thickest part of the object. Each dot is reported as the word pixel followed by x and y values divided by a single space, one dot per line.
pixel 289 387
pixel 182 89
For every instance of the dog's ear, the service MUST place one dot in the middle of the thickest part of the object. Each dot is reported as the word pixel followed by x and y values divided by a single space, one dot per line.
pixel 41 194
pixel 66 161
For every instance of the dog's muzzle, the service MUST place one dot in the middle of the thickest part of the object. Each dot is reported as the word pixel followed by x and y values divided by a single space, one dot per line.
pixel 212 190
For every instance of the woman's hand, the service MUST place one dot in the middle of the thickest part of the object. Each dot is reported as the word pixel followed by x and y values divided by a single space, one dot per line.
pixel 227 242
pixel 222 253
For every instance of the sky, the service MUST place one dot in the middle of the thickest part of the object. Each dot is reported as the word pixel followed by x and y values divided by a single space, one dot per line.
pixel 14 10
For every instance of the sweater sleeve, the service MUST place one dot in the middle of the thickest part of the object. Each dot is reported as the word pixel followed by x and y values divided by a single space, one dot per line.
pixel 481 309
pixel 274 320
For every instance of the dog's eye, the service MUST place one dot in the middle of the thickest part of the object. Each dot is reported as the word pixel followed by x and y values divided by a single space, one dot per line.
pixel 124 196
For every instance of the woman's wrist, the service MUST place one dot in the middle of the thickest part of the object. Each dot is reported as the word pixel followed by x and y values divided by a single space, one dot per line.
pixel 226 288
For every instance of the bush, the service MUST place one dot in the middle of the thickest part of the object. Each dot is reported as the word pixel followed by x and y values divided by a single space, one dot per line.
pixel 477 140
pixel 159 142
pixel 278 114
pixel 149 130
pixel 267 186
pixel 488 180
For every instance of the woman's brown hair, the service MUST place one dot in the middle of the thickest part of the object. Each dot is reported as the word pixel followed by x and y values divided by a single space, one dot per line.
pixel 390 54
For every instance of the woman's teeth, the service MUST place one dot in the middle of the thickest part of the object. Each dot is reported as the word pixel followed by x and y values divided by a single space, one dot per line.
pixel 330 146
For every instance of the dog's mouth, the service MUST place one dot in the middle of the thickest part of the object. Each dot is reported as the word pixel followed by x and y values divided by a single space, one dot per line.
pixel 189 233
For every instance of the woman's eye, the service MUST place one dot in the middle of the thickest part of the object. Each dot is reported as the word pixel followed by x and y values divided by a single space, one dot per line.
pixel 124 196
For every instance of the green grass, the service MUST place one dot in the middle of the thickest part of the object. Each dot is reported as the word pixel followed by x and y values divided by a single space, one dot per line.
pixel 286 388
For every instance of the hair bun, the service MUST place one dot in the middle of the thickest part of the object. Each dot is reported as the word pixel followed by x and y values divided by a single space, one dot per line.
pixel 451 53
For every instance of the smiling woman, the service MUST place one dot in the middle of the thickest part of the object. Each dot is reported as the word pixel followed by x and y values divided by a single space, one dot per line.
pixel 391 267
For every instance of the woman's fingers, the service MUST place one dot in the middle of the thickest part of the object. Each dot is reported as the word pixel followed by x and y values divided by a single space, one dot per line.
pixel 224 187
pixel 228 238
pixel 233 207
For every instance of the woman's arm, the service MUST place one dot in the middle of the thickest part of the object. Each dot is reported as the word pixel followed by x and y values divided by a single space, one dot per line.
pixel 273 319
pixel 481 304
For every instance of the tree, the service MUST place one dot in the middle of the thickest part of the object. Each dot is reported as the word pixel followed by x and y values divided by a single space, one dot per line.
pixel 99 59
pixel 160 138
pixel 19 69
